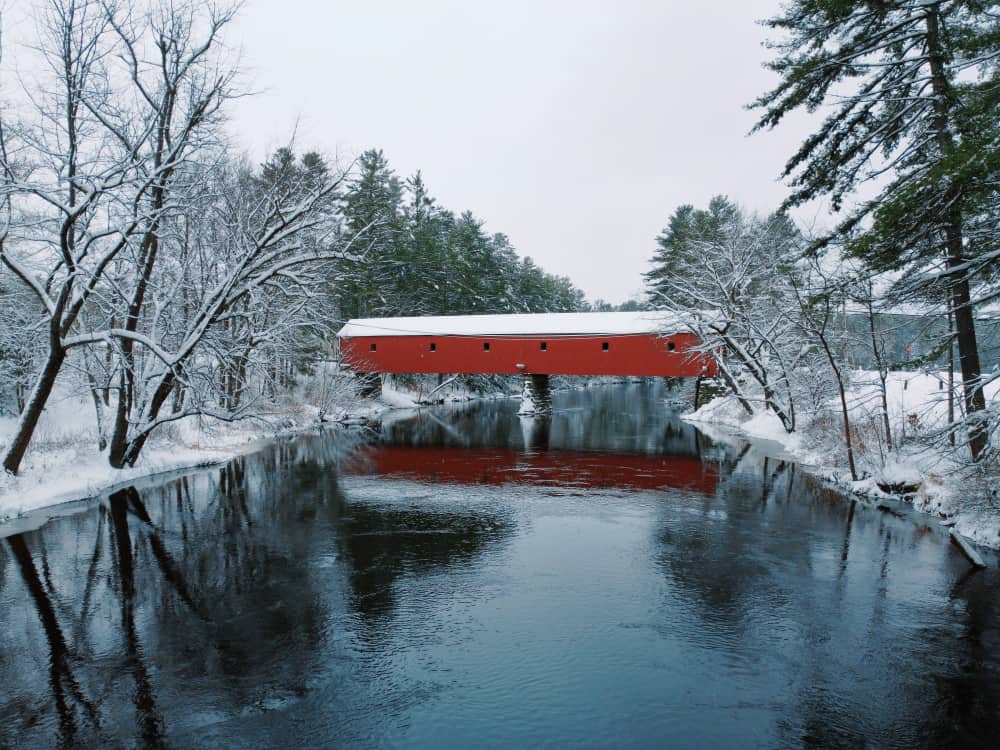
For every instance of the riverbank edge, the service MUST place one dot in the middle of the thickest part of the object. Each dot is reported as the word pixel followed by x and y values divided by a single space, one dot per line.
pixel 45 499
pixel 42 504
pixel 865 492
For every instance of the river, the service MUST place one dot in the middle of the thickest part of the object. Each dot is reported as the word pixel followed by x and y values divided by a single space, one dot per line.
pixel 462 577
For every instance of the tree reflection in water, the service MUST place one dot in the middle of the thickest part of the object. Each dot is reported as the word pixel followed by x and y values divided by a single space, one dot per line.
pixel 63 684
pixel 187 581
pixel 854 619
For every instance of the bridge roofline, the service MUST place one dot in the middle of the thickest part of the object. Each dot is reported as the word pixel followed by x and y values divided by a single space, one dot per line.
pixel 518 324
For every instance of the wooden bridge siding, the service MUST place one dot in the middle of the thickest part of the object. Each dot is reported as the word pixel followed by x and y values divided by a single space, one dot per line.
pixel 634 354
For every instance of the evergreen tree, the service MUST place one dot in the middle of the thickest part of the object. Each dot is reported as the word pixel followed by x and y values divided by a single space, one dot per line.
pixel 426 254
pixel 916 92
pixel 420 259
pixel 678 245
pixel 372 206
pixel 471 257
pixel 633 305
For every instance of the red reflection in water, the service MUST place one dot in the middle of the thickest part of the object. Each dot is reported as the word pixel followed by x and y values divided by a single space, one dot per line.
pixel 552 468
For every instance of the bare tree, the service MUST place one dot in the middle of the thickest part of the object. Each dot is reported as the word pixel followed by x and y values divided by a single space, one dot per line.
pixel 242 287
pixel 132 92
pixel 862 292
pixel 819 296
pixel 726 282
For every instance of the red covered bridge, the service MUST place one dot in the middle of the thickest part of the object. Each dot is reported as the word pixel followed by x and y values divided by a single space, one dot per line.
pixel 618 343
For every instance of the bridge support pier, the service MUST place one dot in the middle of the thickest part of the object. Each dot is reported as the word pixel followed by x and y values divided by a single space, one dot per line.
pixel 369 384
pixel 536 397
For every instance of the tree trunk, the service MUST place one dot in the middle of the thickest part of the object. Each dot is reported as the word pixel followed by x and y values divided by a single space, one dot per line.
pixel 730 381
pixel 951 376
pixel 119 434
pixel 882 371
pixel 961 300
pixel 758 373
pixel 968 358
pixel 883 392
pixel 95 394
pixel 178 398
pixel 843 405
pixel 131 454
pixel 33 409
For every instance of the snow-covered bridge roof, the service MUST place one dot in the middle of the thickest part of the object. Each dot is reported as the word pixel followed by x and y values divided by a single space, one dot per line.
pixel 521 324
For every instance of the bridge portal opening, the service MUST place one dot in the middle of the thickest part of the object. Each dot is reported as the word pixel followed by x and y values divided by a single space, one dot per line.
pixel 434 347
pixel 671 346
pixel 544 346
pixel 486 346
pixel 604 346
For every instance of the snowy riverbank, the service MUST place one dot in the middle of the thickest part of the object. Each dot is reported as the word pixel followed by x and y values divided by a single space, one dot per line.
pixel 64 464
pixel 917 409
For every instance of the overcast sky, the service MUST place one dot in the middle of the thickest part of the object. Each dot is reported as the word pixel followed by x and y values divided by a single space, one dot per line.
pixel 575 127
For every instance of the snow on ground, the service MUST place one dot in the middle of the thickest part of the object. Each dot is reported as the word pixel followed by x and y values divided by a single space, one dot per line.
pixel 917 407
pixel 397 399
pixel 63 462
pixel 765 425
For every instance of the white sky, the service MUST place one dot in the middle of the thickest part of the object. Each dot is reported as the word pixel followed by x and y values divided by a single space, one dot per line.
pixel 575 127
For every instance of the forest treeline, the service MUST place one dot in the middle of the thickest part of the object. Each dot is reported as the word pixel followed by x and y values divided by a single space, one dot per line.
pixel 151 269
pixel 418 258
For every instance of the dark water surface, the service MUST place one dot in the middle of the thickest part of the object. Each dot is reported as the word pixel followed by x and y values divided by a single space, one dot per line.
pixel 471 579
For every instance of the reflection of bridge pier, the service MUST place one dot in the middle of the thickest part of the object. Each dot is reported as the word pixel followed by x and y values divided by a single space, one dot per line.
pixel 535 431
pixel 536 397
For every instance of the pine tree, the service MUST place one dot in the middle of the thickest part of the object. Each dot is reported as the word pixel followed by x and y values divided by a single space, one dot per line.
pixel 420 259
pixel 473 264
pixel 372 208
pixel 678 244
pixel 915 89
pixel 426 252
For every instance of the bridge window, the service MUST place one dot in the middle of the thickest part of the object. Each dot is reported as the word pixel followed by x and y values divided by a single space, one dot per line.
pixel 544 346
pixel 373 347
pixel 434 347
pixel 671 346
pixel 486 346
pixel 604 346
